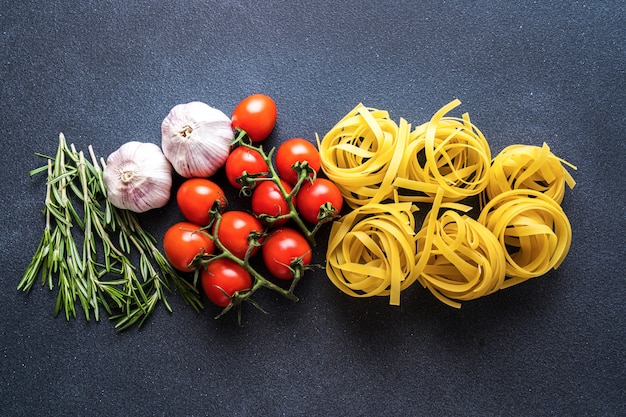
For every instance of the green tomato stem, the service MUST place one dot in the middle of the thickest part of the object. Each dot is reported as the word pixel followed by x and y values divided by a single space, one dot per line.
pixel 258 279
pixel 304 174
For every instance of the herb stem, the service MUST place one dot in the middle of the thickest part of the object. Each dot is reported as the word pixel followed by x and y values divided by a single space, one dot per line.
pixel 102 275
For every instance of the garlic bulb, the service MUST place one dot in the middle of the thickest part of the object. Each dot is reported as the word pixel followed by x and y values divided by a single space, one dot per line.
pixel 196 139
pixel 138 177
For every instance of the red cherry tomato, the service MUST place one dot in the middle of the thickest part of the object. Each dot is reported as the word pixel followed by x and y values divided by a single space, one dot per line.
pixel 224 276
pixel 182 242
pixel 281 248
pixel 267 199
pixel 313 195
pixel 234 229
pixel 196 196
pixel 244 159
pixel 256 115
pixel 292 151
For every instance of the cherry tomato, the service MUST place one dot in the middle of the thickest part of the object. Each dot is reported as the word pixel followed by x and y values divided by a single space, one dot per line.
pixel 244 159
pixel 281 248
pixel 196 196
pixel 267 199
pixel 224 275
pixel 234 230
pixel 256 115
pixel 313 195
pixel 182 242
pixel 292 151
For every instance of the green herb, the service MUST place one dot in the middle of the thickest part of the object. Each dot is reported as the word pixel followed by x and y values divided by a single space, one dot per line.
pixel 97 272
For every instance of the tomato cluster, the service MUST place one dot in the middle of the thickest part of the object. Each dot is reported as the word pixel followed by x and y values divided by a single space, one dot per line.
pixel 289 203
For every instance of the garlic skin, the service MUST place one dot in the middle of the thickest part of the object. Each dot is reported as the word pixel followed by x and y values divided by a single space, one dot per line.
pixel 196 139
pixel 138 177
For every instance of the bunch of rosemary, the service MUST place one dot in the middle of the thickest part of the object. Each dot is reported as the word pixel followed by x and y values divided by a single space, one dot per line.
pixel 97 272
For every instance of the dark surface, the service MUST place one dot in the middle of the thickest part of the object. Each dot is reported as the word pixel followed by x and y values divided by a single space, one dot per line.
pixel 527 72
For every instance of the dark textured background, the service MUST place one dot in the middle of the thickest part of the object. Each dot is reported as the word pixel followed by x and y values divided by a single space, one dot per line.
pixel 527 72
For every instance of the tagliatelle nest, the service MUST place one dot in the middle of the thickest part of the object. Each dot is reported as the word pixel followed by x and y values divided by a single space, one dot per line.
pixel 458 258
pixel 356 154
pixel 529 167
pixel 534 230
pixel 446 153
pixel 371 251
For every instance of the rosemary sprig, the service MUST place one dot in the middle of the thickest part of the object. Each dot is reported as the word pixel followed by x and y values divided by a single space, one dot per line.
pixel 101 275
pixel 42 261
pixel 155 283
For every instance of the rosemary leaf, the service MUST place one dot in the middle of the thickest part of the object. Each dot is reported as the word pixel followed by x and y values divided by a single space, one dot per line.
pixel 37 262
pixel 37 171
pixel 67 294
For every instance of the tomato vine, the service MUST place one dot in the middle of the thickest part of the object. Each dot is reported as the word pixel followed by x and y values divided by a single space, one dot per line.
pixel 256 239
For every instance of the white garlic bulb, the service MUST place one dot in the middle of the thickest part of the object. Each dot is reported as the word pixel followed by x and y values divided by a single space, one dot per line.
pixel 138 177
pixel 196 139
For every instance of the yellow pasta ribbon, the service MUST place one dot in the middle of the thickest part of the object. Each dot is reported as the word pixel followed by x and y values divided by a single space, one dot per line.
pixel 360 154
pixel 445 153
pixel 371 251
pixel 529 167
pixel 458 258
pixel 533 230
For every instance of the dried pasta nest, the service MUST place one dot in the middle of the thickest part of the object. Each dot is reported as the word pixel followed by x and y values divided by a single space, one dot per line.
pixel 446 153
pixel 533 229
pixel 371 251
pixel 458 258
pixel 529 167
pixel 356 155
